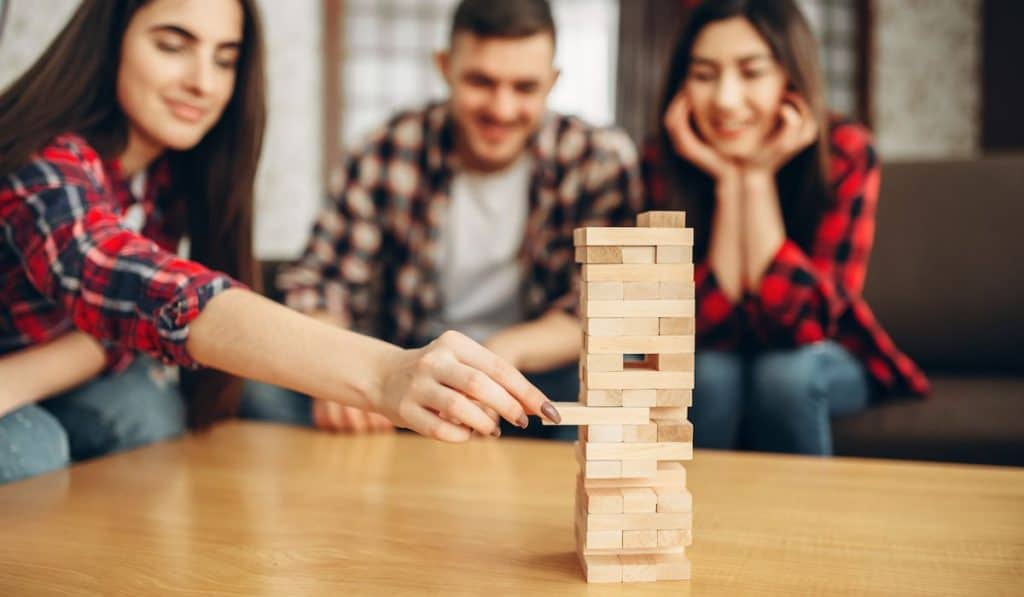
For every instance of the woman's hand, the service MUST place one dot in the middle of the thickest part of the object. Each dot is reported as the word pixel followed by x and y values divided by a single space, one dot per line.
pixel 452 387
pixel 797 130
pixel 690 146
pixel 333 416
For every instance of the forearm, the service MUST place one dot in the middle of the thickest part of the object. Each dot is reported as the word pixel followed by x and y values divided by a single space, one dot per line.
pixel 247 335
pixel 548 342
pixel 763 225
pixel 48 369
pixel 725 257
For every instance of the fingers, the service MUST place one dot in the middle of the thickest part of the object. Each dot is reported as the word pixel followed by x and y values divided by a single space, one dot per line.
pixel 498 383
pixel 428 424
pixel 379 422
pixel 334 417
pixel 355 420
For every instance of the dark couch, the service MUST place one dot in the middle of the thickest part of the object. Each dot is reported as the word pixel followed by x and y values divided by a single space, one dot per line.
pixel 944 279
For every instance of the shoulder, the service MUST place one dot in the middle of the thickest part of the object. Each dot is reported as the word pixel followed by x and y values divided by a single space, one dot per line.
pixel 849 139
pixel 66 161
pixel 571 139
pixel 406 129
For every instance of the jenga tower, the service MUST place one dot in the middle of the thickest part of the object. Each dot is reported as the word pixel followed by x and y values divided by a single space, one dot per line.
pixel 633 513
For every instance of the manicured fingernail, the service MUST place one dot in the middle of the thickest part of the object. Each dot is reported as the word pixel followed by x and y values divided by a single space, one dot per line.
pixel 496 432
pixel 523 421
pixel 549 411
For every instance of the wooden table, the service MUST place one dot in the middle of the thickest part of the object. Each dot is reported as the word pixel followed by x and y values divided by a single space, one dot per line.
pixel 254 509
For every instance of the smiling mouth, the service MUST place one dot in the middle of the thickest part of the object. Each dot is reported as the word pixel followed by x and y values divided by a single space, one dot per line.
pixel 185 112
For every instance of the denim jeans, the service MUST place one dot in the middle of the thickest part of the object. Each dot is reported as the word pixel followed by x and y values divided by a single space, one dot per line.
pixel 264 402
pixel 109 414
pixel 777 401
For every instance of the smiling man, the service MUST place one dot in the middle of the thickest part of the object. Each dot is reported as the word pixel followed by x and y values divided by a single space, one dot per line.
pixel 460 215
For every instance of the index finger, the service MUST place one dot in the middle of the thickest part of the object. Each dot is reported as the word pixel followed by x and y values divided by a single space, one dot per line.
pixel 504 374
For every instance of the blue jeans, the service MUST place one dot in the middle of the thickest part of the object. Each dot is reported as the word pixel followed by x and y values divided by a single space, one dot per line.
pixel 265 402
pixel 109 414
pixel 777 401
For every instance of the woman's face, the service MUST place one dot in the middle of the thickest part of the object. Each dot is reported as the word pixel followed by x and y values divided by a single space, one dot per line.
pixel 734 87
pixel 177 70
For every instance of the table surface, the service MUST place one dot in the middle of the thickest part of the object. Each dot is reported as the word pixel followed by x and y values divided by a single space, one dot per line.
pixel 252 509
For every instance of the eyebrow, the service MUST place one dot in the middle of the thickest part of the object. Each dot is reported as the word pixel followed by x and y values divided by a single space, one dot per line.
pixel 191 36
pixel 742 59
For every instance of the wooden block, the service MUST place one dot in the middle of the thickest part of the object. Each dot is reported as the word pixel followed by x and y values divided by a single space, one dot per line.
pixel 599 500
pixel 642 290
pixel 637 469
pixel 639 499
pixel 639 308
pixel 646 521
pixel 637 380
pixel 640 433
pixel 634 398
pixel 639 539
pixel 605 362
pixel 674 398
pixel 619 326
pixel 666 474
pixel 675 290
pixel 670 499
pixel 673 362
pixel 635 237
pixel 674 538
pixel 672 566
pixel 574 413
pixel 671 432
pixel 638 344
pixel 639 568
pixel 606 291
pixel 675 254
pixel 661 219
pixel 600 272
pixel 631 550
pixel 639 254
pixel 639 451
pixel 668 414
pixel 597 469
pixel 602 568
pixel 606 433
pixel 598 255
pixel 601 397
pixel 677 326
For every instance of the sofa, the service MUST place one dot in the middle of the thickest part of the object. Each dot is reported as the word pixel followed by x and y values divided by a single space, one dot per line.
pixel 944 279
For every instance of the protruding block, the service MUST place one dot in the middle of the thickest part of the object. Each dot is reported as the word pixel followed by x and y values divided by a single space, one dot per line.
pixel 574 413
pixel 599 272
pixel 631 237
pixel 668 414
pixel 638 500
pixel 661 219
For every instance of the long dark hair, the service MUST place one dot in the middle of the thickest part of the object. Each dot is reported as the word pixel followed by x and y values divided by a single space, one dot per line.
pixel 803 182
pixel 72 88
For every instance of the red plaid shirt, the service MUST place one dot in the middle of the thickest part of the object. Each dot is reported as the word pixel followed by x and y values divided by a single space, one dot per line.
pixel 67 260
pixel 807 297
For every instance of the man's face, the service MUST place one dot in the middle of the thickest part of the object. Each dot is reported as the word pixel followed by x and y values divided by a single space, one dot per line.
pixel 499 89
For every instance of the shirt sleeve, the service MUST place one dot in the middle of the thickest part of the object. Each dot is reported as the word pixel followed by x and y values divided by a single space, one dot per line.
pixel 612 195
pixel 802 297
pixel 339 263
pixel 116 285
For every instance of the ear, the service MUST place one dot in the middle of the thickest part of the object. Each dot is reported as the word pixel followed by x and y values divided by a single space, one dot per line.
pixel 443 62
pixel 554 78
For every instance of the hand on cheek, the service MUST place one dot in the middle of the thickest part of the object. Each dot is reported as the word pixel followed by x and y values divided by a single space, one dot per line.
pixel 796 130
pixel 678 122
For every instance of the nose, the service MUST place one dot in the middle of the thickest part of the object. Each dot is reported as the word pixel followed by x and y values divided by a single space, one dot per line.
pixel 504 105
pixel 200 75
pixel 728 92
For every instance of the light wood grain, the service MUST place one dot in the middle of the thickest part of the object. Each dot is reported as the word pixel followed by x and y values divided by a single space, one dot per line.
pixel 260 510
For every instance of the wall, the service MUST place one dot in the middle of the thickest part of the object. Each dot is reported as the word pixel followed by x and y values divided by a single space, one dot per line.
pixel 289 188
pixel 926 78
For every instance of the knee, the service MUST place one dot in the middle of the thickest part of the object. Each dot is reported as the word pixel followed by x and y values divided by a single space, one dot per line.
pixel 718 380
pixel 266 402
pixel 32 442
pixel 783 381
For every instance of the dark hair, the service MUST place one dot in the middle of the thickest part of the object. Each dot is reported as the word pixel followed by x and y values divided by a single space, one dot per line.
pixel 503 18
pixel 72 88
pixel 803 182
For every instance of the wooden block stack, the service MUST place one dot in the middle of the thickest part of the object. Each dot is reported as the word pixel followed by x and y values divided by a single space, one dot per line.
pixel 633 512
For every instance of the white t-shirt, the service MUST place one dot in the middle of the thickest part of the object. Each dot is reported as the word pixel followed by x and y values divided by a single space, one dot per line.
pixel 479 272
